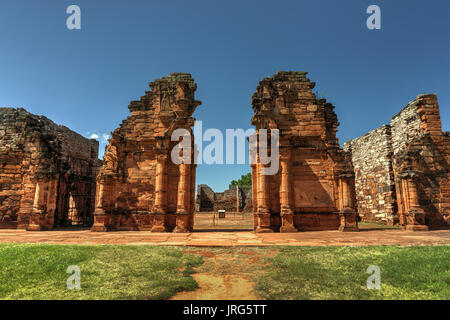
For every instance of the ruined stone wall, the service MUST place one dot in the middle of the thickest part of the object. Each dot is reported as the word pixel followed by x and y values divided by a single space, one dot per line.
pixel 418 161
pixel 405 126
pixel 139 186
pixel 421 163
pixel 313 185
pixel 374 176
pixel 204 201
pixel 235 199
pixel 35 151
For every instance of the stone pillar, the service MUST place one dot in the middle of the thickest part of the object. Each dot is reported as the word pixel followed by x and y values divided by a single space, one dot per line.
pixel 100 220
pixel 51 202
pixel 183 198
pixel 415 217
pixel 412 193
pixel 264 222
pixel 346 195
pixel 287 214
pixel 37 212
pixel 349 218
pixel 263 204
pixel 193 168
pixel 72 211
pixel 160 206
pixel 400 201
pixel 254 195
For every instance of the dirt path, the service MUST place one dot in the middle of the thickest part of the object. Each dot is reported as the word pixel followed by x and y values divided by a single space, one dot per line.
pixel 217 287
pixel 227 274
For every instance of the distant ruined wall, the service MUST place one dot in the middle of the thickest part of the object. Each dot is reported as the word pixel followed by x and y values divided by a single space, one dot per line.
pixel 235 199
pixel 47 173
pixel 417 157
pixel 204 201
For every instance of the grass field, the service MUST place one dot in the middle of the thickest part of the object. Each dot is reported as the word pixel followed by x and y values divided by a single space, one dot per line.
pixel 107 272
pixel 144 272
pixel 421 272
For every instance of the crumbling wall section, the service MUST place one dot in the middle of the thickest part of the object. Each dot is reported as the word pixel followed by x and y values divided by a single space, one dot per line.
pixel 139 186
pixel 36 151
pixel 312 189
pixel 234 199
pixel 415 153
pixel 374 177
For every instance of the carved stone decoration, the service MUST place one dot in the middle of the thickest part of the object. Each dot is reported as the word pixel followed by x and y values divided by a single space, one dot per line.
pixel 413 217
pixel 306 192
pixel 139 186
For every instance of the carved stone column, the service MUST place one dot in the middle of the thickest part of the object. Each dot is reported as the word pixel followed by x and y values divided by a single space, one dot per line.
pixel 400 201
pixel 415 217
pixel 254 195
pixel 38 210
pixel 51 202
pixel 192 195
pixel 346 196
pixel 264 222
pixel 183 198
pixel 348 216
pixel 160 207
pixel 100 220
pixel 287 214
pixel 72 210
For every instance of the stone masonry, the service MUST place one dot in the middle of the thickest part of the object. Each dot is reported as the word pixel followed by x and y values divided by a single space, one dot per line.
pixel 139 187
pixel 235 199
pixel 51 176
pixel 374 176
pixel 47 173
pixel 313 189
pixel 408 161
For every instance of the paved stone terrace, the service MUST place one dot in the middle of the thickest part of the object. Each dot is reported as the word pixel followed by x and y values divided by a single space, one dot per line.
pixel 230 239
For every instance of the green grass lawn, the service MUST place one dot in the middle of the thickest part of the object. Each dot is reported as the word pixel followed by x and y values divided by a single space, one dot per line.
pixel 340 273
pixel 107 272
pixel 144 272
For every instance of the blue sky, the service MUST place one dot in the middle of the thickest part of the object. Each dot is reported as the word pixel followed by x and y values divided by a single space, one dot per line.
pixel 84 79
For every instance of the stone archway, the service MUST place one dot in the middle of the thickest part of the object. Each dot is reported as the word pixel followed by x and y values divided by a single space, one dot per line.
pixel 139 188
pixel 312 190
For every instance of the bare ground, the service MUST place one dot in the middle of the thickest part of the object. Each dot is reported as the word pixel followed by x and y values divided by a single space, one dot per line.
pixel 227 274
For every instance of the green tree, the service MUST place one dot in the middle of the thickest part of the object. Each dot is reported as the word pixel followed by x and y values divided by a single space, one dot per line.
pixel 245 180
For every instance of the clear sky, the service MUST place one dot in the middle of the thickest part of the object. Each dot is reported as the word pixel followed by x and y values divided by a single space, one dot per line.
pixel 84 79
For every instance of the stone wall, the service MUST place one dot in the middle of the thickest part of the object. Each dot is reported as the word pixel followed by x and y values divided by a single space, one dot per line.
pixel 139 186
pixel 235 199
pixel 313 188
pixel 405 126
pixel 47 173
pixel 374 177
pixel 417 157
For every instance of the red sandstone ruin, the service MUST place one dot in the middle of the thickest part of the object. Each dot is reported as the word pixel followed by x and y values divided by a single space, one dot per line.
pixel 47 173
pixel 138 186
pixel 313 189
pixel 402 173
pixel 235 199
pixel 397 174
